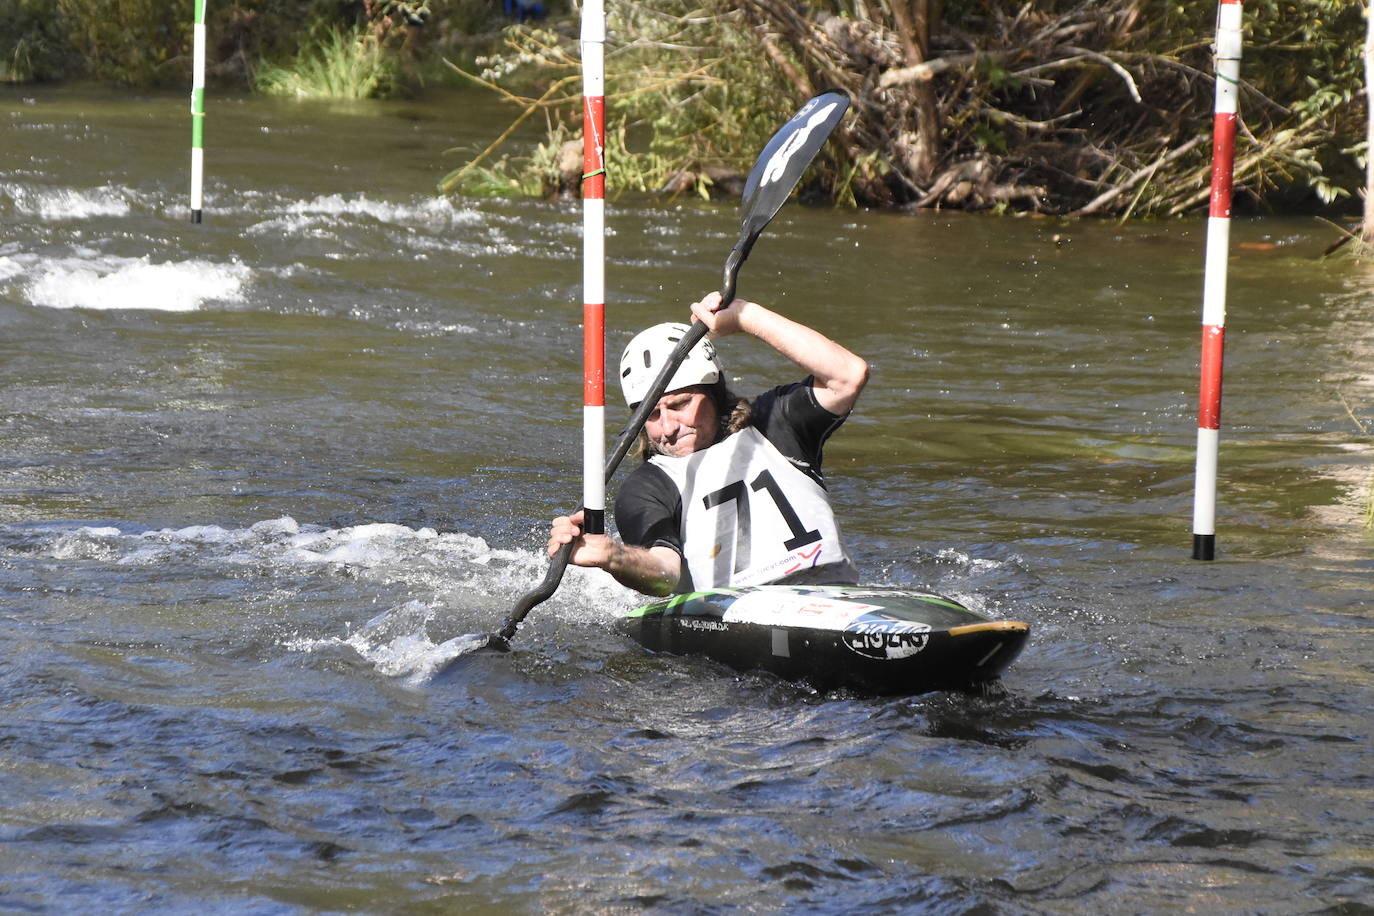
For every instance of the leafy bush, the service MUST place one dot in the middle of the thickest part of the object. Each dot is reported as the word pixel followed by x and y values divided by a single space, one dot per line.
pixel 686 90
pixel 141 43
pixel 130 42
pixel 33 42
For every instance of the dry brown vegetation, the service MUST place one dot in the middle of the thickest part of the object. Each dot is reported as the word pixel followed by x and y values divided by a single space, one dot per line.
pixel 1053 107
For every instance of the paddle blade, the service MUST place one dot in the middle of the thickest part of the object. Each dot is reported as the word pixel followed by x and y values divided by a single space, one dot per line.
pixel 785 158
pixel 460 647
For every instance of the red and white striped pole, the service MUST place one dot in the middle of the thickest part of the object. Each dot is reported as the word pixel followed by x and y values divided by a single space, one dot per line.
pixel 593 266
pixel 1228 48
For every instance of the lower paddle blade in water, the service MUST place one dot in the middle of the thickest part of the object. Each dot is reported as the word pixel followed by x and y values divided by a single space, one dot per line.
pixel 469 643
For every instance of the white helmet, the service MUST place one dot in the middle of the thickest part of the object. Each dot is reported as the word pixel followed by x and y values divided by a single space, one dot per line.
pixel 645 356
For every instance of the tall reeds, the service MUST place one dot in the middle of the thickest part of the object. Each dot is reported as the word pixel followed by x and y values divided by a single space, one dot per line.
pixel 342 65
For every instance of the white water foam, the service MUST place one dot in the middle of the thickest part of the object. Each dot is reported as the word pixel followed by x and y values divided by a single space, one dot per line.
pixel 93 281
pixel 285 542
pixel 409 641
pixel 959 558
pixel 397 643
pixel 326 209
pixel 55 205
pixel 424 210
pixel 434 328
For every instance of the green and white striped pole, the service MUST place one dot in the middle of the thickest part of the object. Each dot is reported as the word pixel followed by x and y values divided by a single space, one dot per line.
pixel 198 114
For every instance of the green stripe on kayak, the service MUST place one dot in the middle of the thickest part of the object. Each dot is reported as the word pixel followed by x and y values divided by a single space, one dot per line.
pixel 675 602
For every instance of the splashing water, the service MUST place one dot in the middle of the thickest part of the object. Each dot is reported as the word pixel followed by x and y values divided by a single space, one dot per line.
pixel 398 644
pixel 104 282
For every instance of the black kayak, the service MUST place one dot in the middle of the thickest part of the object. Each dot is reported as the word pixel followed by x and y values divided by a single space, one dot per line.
pixel 871 639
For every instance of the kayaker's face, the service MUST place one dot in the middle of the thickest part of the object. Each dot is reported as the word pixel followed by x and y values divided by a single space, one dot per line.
pixel 683 422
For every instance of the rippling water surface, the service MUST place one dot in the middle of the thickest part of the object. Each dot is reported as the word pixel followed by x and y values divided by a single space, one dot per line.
pixel 259 478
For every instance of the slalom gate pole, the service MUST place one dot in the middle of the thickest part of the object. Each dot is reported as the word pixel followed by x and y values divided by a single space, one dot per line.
pixel 198 113
pixel 1228 50
pixel 593 40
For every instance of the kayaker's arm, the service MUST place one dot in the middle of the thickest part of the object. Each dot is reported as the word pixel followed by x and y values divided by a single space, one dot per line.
pixel 840 375
pixel 651 570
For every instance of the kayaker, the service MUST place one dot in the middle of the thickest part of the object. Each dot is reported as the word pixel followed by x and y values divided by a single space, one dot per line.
pixel 730 492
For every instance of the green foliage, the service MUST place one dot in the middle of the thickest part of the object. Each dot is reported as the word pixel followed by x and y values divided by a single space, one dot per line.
pixel 350 65
pixel 129 42
pixel 695 86
pixel 362 59
pixel 243 34
pixel 539 173
pixel 989 137
pixel 1302 76
pixel 33 42
pixel 148 42
pixel 1308 58
pixel 529 176
pixel 686 91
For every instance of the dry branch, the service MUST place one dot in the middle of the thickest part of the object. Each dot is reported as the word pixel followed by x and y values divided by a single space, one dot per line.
pixel 1101 200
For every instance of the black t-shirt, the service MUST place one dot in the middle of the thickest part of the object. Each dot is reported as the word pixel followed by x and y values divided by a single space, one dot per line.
pixel 648 508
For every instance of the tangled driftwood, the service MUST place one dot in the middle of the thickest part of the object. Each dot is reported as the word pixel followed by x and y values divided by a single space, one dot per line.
pixel 1051 108
pixel 1034 110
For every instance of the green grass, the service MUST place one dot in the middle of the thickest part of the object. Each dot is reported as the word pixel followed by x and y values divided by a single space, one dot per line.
pixel 344 65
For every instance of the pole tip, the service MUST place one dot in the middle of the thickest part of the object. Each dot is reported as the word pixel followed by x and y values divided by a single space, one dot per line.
pixel 1204 546
pixel 195 216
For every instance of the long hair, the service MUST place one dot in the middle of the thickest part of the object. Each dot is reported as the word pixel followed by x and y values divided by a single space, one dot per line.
pixel 733 414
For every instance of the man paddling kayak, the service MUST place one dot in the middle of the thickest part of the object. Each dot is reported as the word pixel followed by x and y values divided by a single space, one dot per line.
pixel 731 491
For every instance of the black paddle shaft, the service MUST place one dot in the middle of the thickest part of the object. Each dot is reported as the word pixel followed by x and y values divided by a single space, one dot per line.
pixel 775 173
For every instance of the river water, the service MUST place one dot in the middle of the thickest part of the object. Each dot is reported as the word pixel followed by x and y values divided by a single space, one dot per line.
pixel 256 474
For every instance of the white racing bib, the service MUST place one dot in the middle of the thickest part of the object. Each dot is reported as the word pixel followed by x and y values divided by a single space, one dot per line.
pixel 748 515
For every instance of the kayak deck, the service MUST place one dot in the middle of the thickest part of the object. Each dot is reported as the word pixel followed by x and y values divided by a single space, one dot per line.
pixel 872 639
